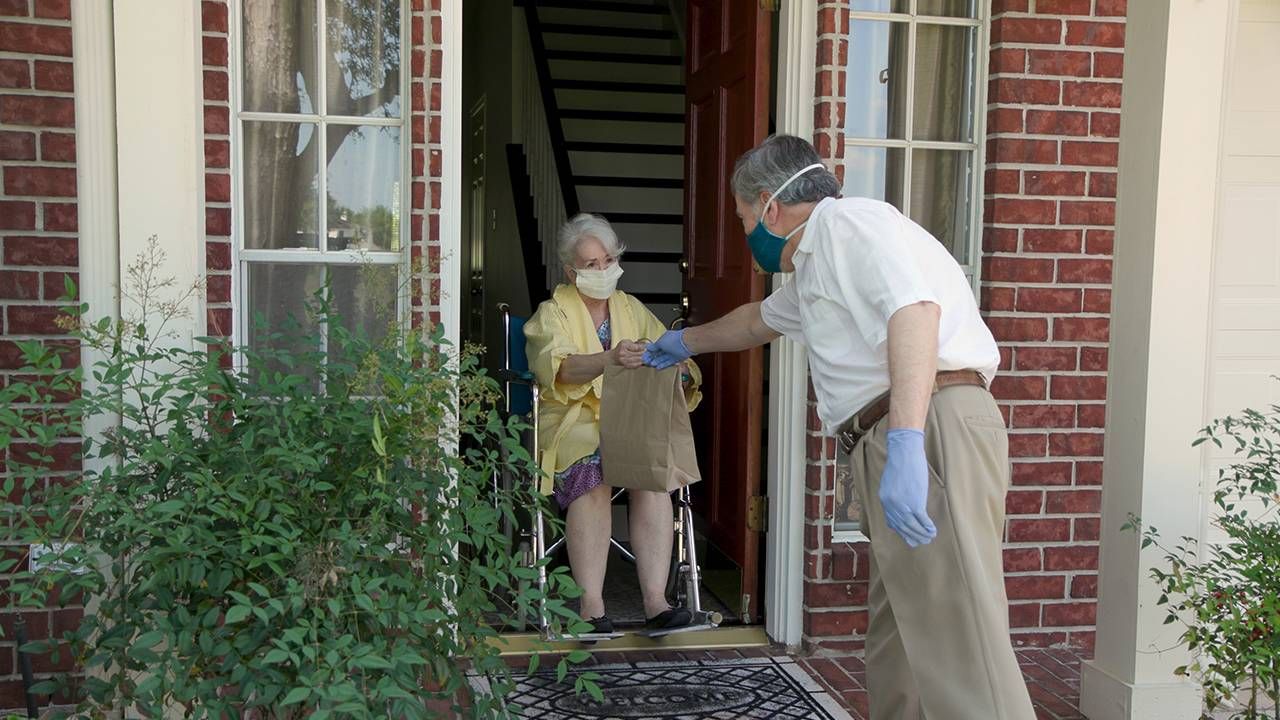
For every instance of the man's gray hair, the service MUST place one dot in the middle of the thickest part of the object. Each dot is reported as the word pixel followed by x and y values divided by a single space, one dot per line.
pixel 581 226
pixel 766 166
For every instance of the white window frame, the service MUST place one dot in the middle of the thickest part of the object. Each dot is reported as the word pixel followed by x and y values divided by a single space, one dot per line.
pixel 982 29
pixel 242 257
pixel 852 532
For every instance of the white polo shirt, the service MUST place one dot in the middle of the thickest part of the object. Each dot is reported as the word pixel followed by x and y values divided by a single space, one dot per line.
pixel 858 262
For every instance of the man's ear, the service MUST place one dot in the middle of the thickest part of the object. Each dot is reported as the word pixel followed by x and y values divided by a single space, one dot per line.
pixel 769 210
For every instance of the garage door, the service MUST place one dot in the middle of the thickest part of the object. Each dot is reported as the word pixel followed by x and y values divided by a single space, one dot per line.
pixel 1244 352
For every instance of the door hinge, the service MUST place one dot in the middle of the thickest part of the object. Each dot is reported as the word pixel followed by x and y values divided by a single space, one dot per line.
pixel 758 513
pixel 770 5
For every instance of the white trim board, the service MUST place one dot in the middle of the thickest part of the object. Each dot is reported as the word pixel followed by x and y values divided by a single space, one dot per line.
pixel 451 169
pixel 788 369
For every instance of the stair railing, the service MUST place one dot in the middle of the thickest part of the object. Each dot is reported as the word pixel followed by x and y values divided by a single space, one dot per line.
pixel 555 196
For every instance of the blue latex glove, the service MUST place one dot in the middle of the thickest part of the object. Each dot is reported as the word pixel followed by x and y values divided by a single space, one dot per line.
pixel 904 487
pixel 667 350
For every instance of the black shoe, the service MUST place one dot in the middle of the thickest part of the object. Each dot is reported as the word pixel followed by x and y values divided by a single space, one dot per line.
pixel 676 617
pixel 599 626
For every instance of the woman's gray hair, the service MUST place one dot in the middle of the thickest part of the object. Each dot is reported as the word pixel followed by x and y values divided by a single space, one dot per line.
pixel 586 225
pixel 766 166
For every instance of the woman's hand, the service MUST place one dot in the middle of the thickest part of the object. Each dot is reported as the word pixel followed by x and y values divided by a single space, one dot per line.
pixel 629 354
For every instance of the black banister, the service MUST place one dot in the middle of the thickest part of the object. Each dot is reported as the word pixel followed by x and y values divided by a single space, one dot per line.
pixel 568 189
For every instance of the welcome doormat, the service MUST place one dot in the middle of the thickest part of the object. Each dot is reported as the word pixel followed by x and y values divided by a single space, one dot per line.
pixel 743 689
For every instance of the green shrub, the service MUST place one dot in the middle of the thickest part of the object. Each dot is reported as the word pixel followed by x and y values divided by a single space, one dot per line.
pixel 1228 595
pixel 312 534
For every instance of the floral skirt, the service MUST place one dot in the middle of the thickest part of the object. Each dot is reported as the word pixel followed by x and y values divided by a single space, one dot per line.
pixel 578 479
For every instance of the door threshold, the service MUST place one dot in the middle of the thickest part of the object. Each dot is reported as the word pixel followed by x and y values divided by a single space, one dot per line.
pixel 713 639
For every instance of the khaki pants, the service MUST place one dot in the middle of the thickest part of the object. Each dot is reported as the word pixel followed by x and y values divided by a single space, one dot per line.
pixel 938 645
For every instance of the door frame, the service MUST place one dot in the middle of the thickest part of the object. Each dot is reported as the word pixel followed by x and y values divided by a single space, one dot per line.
pixel 451 159
pixel 788 367
pixel 788 387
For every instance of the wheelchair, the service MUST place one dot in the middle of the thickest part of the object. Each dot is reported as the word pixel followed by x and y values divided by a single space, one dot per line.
pixel 534 544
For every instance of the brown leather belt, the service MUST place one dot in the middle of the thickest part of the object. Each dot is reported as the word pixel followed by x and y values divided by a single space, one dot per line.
pixel 862 421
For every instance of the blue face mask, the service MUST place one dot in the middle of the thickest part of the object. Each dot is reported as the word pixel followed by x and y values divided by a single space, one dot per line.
pixel 766 246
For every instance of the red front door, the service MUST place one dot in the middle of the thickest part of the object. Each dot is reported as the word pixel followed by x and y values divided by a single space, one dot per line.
pixel 726 114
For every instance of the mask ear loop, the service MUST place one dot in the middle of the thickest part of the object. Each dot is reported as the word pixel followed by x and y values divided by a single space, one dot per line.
pixel 784 185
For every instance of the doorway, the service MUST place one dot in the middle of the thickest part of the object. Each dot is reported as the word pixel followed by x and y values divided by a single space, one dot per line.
pixel 636 110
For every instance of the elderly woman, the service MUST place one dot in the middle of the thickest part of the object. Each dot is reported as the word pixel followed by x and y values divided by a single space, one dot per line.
pixel 587 325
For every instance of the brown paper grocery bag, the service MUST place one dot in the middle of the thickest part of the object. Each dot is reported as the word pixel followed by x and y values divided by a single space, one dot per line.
pixel 646 442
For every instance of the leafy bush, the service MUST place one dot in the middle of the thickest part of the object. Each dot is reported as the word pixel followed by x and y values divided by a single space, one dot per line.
pixel 1228 595
pixel 301 536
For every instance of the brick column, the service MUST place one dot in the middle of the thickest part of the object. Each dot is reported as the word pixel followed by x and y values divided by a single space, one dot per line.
pixel 1050 180
pixel 217 160
pixel 1053 128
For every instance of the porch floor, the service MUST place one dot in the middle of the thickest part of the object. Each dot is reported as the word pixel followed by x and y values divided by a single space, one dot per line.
pixel 1053 676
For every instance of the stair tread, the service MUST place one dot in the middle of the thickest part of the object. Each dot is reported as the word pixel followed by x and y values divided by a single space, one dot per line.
pixel 657 298
pixel 618 86
pixel 570 29
pixel 644 218
pixel 600 6
pixel 621 181
pixel 623 115
pixel 617 147
pixel 652 256
pixel 617 57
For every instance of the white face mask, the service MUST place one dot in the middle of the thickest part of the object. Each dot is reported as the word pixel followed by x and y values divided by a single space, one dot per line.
pixel 598 284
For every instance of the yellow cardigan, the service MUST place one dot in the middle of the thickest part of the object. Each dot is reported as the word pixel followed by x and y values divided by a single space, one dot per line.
pixel 569 415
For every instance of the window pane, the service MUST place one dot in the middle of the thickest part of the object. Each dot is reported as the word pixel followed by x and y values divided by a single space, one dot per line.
pixel 875 90
pixel 363 62
pixel 281 185
pixel 282 294
pixel 948 8
pixel 944 83
pixel 364 188
pixel 280 55
pixel 874 173
pixel 940 194
pixel 898 6
pixel 848 507
pixel 364 298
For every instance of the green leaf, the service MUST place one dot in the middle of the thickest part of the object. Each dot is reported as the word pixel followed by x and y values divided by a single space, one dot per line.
pixel 296 696
pixel 168 506
pixel 149 639
pixel 237 613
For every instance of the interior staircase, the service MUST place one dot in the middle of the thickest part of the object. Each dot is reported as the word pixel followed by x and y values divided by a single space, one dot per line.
pixel 612 84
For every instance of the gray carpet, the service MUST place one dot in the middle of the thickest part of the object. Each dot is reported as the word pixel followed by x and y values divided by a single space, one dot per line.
pixel 745 689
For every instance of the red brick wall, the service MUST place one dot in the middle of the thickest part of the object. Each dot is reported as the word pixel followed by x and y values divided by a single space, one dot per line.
pixel 1052 145
pixel 215 54
pixel 38 242
pixel 427 158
